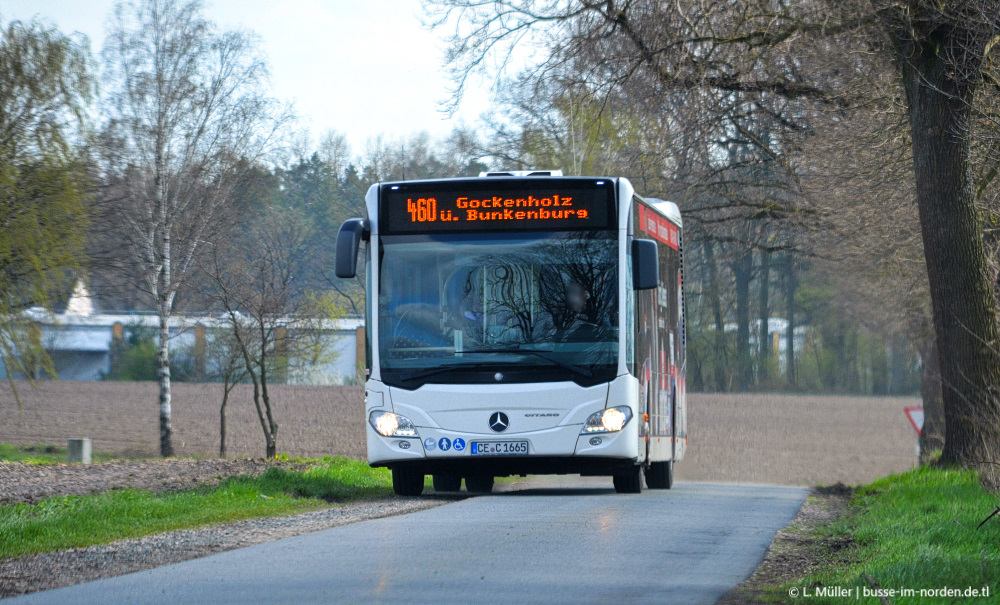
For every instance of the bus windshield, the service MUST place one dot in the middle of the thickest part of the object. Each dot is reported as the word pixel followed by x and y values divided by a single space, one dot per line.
pixel 461 308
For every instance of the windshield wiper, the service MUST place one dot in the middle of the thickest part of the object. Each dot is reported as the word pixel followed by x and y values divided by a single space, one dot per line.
pixel 542 354
pixel 479 366
pixel 446 368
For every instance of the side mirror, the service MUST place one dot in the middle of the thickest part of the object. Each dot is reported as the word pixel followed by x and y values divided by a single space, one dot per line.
pixel 348 241
pixel 645 264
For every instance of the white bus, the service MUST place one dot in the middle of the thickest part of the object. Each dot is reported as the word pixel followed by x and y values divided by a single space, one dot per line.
pixel 520 323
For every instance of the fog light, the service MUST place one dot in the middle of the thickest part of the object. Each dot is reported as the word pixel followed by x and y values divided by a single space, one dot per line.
pixel 391 425
pixel 596 441
pixel 610 420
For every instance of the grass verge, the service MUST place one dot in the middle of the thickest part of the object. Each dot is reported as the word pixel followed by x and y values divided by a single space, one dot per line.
pixel 916 531
pixel 75 521
pixel 44 454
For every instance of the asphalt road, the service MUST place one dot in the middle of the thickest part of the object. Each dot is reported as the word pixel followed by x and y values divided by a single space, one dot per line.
pixel 556 541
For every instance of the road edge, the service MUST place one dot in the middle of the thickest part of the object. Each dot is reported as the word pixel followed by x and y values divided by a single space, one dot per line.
pixel 57 569
pixel 796 549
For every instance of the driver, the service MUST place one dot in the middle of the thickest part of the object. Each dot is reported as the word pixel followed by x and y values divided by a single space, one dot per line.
pixel 577 328
pixel 583 340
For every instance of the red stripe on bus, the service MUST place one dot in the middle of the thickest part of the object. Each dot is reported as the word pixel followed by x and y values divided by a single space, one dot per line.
pixel 659 227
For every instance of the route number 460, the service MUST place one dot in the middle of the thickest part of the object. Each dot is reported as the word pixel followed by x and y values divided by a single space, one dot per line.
pixel 425 209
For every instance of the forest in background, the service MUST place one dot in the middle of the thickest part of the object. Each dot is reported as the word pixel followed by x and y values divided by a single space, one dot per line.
pixel 165 173
pixel 758 246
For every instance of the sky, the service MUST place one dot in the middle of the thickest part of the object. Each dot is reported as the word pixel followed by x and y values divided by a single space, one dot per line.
pixel 362 68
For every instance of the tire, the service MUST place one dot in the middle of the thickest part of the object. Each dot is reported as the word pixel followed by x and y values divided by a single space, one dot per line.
pixel 660 475
pixel 447 483
pixel 479 484
pixel 407 482
pixel 629 482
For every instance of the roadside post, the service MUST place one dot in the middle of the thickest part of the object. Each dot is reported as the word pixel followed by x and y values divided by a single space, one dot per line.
pixel 916 416
pixel 78 450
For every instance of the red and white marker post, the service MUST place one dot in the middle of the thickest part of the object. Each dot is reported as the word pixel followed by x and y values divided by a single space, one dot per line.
pixel 916 416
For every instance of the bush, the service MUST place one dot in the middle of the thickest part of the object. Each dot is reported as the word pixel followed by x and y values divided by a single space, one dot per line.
pixel 133 358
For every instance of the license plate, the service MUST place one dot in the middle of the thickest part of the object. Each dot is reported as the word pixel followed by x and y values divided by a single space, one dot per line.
pixel 499 448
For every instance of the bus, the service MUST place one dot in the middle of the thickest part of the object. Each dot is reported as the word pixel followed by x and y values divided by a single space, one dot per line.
pixel 520 323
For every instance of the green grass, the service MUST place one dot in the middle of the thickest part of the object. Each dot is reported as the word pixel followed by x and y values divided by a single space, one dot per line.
pixel 916 530
pixel 44 454
pixel 75 521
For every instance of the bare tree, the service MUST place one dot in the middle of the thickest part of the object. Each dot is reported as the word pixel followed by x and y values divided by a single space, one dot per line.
pixel 272 313
pixel 942 50
pixel 187 114
pixel 224 361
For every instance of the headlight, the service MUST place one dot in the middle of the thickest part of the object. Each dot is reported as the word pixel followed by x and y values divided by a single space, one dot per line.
pixel 610 420
pixel 392 425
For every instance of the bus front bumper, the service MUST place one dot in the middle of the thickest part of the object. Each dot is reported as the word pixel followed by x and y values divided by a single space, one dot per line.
pixel 556 450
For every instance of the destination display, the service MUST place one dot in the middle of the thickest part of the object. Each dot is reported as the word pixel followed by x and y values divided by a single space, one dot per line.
pixel 532 209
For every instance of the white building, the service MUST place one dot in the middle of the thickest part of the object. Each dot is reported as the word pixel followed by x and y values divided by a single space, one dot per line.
pixel 79 341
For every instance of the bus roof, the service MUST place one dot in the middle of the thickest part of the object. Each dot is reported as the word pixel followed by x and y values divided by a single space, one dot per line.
pixel 668 209
pixel 525 175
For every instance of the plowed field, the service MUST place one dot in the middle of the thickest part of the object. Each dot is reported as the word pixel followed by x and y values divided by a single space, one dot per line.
pixel 752 438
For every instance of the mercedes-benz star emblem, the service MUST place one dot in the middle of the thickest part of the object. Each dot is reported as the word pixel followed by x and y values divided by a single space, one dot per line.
pixel 499 422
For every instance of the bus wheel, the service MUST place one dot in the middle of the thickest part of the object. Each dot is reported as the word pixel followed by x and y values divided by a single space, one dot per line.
pixel 447 483
pixel 629 482
pixel 407 482
pixel 479 484
pixel 660 475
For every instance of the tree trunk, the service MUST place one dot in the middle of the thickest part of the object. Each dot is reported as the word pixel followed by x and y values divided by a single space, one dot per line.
pixel 271 428
pixel 742 272
pixel 260 396
pixel 791 285
pixel 163 373
pixel 269 448
pixel 272 435
pixel 720 359
pixel 764 343
pixel 933 431
pixel 963 302
pixel 222 418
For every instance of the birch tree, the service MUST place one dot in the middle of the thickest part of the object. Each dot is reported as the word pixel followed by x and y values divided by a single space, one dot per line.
pixel 187 112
